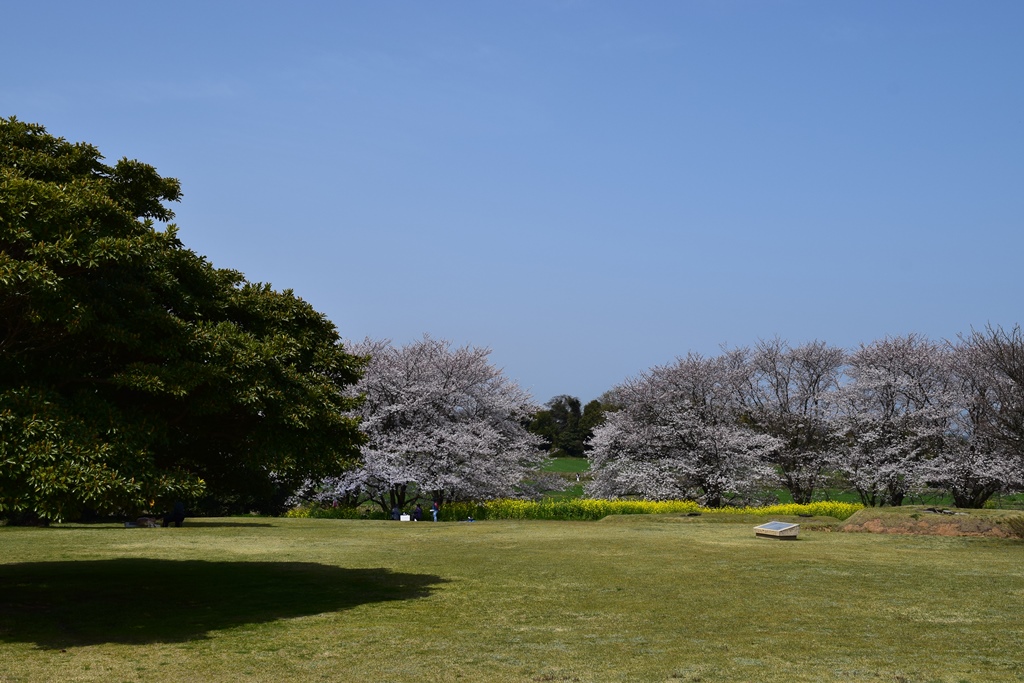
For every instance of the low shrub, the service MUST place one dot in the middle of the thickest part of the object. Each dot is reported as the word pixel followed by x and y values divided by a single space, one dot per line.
pixel 824 508
pixel 578 509
pixel 318 511
pixel 593 509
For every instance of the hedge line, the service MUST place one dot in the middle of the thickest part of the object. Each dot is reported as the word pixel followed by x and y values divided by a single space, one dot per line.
pixel 593 509
pixel 587 509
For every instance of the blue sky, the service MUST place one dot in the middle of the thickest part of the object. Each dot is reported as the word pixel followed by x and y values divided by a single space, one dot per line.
pixel 588 188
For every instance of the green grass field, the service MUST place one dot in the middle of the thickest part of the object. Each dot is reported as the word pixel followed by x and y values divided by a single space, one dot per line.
pixel 568 468
pixel 568 465
pixel 632 598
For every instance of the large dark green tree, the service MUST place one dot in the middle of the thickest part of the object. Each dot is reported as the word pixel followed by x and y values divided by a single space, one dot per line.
pixel 133 372
pixel 566 428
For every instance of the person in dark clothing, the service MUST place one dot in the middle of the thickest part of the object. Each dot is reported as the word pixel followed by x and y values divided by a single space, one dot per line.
pixel 177 515
pixel 396 513
pixel 417 513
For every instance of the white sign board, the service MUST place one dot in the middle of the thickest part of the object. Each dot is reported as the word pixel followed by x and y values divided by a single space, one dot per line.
pixel 779 530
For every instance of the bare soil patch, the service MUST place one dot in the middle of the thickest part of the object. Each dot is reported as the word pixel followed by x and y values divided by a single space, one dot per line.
pixel 921 520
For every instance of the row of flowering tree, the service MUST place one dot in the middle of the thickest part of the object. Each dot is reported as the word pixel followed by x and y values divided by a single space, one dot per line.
pixel 442 423
pixel 887 419
pixel 892 417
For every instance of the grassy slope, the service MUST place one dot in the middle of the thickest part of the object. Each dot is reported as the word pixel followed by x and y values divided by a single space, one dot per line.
pixel 625 599
pixel 920 519
pixel 568 468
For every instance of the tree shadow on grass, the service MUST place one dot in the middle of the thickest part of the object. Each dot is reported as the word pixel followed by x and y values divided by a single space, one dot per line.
pixel 189 524
pixel 68 604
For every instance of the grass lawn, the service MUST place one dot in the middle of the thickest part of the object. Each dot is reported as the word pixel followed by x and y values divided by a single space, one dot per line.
pixel 570 465
pixel 569 469
pixel 633 598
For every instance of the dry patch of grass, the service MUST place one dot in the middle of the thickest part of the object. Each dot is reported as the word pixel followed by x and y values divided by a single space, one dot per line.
pixel 927 520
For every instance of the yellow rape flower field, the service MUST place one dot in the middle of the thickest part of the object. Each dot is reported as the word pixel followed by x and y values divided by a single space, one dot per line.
pixel 664 597
pixel 593 509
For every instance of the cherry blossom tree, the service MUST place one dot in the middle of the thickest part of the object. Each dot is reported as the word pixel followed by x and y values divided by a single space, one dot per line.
pixel 790 393
pixel 980 457
pixel 896 412
pixel 442 423
pixel 676 436
pixel 1001 354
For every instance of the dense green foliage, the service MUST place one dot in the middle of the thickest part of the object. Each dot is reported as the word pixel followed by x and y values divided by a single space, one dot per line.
pixel 134 373
pixel 565 426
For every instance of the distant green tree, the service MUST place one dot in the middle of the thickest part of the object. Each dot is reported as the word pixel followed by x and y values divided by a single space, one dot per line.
pixel 133 372
pixel 564 427
pixel 593 416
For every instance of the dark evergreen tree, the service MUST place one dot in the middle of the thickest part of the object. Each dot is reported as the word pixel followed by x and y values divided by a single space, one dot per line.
pixel 132 372
pixel 564 427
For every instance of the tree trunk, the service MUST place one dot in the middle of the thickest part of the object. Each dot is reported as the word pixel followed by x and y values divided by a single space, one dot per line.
pixel 396 495
pixel 975 497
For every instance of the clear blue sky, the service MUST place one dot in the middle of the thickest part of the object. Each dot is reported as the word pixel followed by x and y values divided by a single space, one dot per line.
pixel 588 188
